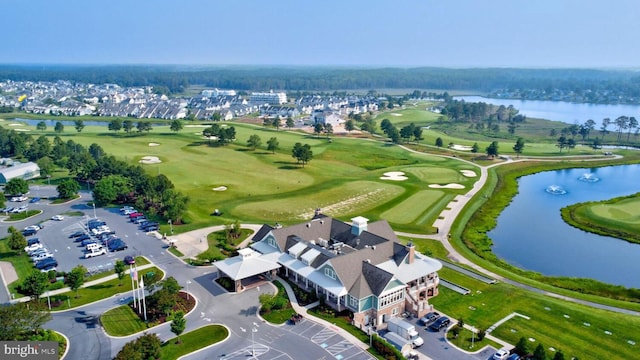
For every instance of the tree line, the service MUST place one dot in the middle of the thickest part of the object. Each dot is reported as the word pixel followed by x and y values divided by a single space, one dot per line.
pixel 174 79
pixel 113 180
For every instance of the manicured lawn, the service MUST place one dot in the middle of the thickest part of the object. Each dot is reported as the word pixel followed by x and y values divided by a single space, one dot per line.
pixel 489 303
pixel 175 252
pixel 413 207
pixel 279 316
pixel 24 215
pixel 20 261
pixel 96 292
pixel 216 241
pixel 122 321
pixel 192 341
pixel 619 217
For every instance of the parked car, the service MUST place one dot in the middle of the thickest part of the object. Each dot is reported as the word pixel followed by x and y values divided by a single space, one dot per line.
pixel 152 226
pixel 33 247
pixel 514 357
pixel 82 237
pixel 41 257
pixel 86 242
pixel 95 252
pixel 441 322
pixel 129 211
pixel 33 241
pixel 57 217
pixel 429 317
pixel 117 245
pixel 126 208
pixel 34 200
pixel 48 262
pixel 76 234
pixel 38 252
pixel 129 260
pixel 29 232
pixel 49 268
pixel 501 354
pixel 33 227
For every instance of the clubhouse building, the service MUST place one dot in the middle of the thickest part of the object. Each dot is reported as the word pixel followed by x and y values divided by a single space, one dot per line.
pixel 361 267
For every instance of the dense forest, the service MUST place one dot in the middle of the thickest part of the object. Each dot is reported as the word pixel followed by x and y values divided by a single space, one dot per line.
pixel 624 85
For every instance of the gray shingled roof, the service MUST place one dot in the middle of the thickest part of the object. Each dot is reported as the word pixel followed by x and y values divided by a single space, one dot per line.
pixel 376 277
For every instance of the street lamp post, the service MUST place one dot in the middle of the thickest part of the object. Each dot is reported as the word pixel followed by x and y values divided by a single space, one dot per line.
pixel 171 226
pixel 94 210
pixel 188 282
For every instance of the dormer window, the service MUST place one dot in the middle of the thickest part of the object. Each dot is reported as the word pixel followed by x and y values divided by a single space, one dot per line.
pixel 272 241
pixel 330 273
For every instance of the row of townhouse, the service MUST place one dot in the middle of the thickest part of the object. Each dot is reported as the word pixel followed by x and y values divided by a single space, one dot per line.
pixel 361 267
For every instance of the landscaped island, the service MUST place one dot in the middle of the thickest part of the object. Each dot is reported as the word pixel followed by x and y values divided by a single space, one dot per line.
pixel 616 217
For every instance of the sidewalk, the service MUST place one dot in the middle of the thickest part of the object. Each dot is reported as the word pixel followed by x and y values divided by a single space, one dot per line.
pixel 87 284
pixel 195 242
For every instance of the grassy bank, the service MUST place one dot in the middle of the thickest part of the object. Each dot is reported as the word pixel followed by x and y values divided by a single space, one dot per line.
pixel 615 217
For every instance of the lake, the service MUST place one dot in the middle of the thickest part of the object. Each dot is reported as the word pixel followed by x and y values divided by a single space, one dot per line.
pixel 70 123
pixel 531 234
pixel 560 110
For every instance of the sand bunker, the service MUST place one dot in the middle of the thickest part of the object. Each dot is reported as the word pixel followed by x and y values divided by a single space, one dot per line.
pixel 220 188
pixel 150 160
pixel 448 186
pixel 461 147
pixel 197 126
pixel 468 173
pixel 396 114
pixel 15 124
pixel 394 176
pixel 210 137
pixel 22 129
pixel 154 144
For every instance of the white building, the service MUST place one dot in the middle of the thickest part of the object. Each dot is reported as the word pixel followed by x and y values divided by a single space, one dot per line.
pixel 270 97
pixel 217 92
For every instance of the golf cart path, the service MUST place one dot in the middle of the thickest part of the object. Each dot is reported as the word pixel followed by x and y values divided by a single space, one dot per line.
pixel 453 209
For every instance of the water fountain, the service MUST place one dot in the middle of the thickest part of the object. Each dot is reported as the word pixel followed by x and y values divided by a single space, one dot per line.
pixel 588 177
pixel 555 190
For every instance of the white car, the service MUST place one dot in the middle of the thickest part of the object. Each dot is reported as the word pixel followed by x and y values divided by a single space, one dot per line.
pixel 41 257
pixel 33 227
pixel 501 354
pixel 95 252
pixel 33 247
pixel 57 217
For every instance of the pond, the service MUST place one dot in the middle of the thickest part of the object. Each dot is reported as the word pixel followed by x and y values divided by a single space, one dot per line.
pixel 531 234
pixel 70 123
pixel 561 110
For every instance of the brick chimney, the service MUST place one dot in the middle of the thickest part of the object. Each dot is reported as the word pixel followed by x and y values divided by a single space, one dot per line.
pixel 412 252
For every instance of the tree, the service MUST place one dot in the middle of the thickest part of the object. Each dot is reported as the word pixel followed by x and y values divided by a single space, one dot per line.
pixel 273 145
pixel 553 132
pixel 143 126
pixel 540 353
pixel 475 148
pixel 68 189
pixel 146 347
pixel 176 125
pixel 16 186
pixel 290 122
pixel 42 126
pixel 17 320
pixel 119 268
pixel 302 153
pixel 75 278
pixel 522 347
pixel 115 125
pixel 561 142
pixel 111 188
pixel 603 128
pixel 59 128
pixel 96 151
pixel 349 125
pixel 254 141
pixel 127 125
pixel 16 241
pixel 439 142
pixel 492 149
pixel 558 355
pixel 35 284
pixel 570 144
pixel 317 129
pixel 633 124
pixel 417 134
pixel 328 129
pixel 178 324
pixel 79 125
pixel 596 144
pixel 385 124
pixel 519 146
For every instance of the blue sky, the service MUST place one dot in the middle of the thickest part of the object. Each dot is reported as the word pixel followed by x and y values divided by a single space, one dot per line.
pixel 449 33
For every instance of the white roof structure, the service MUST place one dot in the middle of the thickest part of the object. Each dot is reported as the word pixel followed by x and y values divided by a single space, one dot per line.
pixel 406 272
pixel 25 171
pixel 247 264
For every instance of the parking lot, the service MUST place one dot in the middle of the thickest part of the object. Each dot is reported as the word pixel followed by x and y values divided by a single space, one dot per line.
pixel 55 234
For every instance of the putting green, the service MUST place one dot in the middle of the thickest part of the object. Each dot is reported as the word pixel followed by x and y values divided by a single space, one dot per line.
pixel 625 211
pixel 348 198
pixel 412 208
pixel 436 175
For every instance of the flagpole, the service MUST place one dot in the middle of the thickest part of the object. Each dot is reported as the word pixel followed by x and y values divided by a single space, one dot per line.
pixel 144 298
pixel 133 288
pixel 139 300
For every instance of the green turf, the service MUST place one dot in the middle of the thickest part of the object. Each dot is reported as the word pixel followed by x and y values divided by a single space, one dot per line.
pixel 410 209
pixel 121 321
pixel 192 341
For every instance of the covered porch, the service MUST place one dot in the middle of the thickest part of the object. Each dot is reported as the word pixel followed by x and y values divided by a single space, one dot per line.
pixel 247 269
